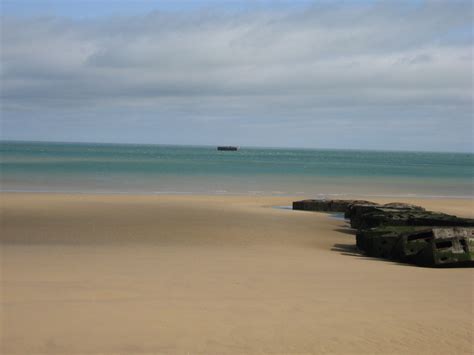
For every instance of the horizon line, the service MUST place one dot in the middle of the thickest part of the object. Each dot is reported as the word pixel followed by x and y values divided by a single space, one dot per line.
pixel 240 146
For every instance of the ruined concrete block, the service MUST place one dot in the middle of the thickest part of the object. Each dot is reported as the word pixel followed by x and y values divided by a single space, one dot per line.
pixel 422 245
pixel 410 244
pixel 449 247
pixel 322 205
pixel 393 239
pixel 370 217
pixel 403 206
pixel 358 208
pixel 403 231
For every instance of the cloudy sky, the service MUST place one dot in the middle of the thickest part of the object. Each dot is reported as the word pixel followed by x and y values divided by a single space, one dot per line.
pixel 355 74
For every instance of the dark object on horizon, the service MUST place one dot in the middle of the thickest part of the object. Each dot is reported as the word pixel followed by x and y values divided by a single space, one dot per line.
pixel 227 148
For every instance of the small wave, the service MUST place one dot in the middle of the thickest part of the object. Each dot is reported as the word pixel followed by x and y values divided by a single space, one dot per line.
pixel 255 192
pixel 173 193
pixel 234 193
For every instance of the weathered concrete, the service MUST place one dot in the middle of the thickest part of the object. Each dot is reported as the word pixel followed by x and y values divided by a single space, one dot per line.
pixel 403 231
pixel 422 245
pixel 364 237
pixel 403 206
pixel 449 246
pixel 355 210
pixel 374 216
pixel 327 205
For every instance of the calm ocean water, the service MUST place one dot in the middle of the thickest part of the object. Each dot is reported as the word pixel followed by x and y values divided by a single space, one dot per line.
pixel 153 169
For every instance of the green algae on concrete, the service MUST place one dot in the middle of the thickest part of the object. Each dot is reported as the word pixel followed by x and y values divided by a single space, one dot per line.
pixel 422 245
pixel 449 246
pixel 369 217
pixel 322 205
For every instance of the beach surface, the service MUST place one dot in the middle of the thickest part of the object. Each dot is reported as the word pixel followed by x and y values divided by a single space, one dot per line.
pixel 130 274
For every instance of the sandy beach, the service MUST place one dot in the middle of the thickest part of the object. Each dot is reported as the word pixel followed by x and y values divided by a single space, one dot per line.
pixel 128 274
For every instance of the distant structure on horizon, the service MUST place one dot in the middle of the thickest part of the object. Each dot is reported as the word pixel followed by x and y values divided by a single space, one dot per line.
pixel 227 148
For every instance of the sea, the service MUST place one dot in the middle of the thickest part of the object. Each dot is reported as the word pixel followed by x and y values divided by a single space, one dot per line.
pixel 168 169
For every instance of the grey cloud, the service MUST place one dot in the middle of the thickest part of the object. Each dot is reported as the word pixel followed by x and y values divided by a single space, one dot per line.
pixel 292 65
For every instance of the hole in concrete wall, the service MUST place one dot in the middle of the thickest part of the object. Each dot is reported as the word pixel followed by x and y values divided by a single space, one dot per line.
pixel 418 236
pixel 444 244
pixel 464 245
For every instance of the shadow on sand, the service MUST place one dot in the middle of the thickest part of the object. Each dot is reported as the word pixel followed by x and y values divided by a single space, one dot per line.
pixel 352 250
pixel 347 249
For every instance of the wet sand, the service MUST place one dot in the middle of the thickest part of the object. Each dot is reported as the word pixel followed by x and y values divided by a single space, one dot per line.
pixel 90 274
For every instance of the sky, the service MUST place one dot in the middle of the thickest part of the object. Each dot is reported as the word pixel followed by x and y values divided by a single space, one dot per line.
pixel 390 75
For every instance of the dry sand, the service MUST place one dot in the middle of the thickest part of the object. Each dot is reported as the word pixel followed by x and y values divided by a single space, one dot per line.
pixel 90 274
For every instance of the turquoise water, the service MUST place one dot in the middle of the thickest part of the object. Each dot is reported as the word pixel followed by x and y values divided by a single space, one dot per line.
pixel 119 168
